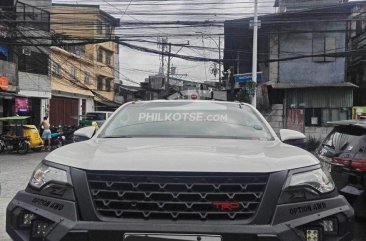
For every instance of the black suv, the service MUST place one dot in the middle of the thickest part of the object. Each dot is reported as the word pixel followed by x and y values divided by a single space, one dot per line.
pixel 343 153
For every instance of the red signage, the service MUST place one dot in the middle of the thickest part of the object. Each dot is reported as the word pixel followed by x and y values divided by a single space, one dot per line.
pixel 4 83
pixel 21 104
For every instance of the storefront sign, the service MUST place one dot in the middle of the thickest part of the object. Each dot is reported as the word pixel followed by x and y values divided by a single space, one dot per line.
pixel 244 78
pixel 21 104
pixel 4 83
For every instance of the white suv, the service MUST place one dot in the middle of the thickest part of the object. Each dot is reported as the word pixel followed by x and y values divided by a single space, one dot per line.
pixel 181 170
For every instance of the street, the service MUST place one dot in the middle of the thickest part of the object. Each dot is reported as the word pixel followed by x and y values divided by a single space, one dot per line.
pixel 16 171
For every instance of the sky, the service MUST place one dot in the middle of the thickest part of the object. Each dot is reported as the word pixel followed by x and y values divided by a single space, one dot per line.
pixel 135 66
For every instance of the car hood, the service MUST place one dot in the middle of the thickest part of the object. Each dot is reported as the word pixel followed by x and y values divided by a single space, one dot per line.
pixel 182 155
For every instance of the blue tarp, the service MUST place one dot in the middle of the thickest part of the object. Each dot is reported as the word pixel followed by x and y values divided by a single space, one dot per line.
pixel 4 51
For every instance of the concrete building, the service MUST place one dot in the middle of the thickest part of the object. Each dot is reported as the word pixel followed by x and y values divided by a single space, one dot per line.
pixel 24 81
pixel 8 72
pixel 83 76
pixel 302 57
pixel 34 78
pixel 356 64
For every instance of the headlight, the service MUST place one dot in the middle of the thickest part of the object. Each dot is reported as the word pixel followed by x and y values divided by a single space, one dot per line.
pixel 44 174
pixel 318 180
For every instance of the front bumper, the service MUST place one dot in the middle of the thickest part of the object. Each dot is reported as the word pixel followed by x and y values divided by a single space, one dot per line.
pixel 288 222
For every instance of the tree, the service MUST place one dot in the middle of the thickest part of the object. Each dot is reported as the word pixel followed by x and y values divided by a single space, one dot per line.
pixel 246 92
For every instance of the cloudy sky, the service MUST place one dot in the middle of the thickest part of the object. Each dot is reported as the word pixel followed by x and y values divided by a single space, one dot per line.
pixel 136 65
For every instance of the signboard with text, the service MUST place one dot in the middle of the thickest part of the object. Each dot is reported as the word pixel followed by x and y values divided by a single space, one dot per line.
pixel 244 78
pixel 21 104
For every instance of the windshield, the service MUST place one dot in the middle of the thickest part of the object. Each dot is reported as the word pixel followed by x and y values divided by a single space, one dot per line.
pixel 95 116
pixel 187 119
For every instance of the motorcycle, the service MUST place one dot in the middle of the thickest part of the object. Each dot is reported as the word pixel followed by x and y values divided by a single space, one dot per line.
pixel 18 144
pixel 68 132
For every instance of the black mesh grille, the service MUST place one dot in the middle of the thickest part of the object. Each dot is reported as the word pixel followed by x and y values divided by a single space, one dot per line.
pixel 176 196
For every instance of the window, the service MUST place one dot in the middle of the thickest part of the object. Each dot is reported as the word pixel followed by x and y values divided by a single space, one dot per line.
pixel 322 45
pixel 99 27
pixel 100 55
pixel 108 30
pixel 78 50
pixel 108 85
pixel 108 58
pixel 56 69
pixel 313 117
pixel 321 116
pixel 335 114
pixel 100 83
pixel 36 63
pixel 74 72
pixel 87 78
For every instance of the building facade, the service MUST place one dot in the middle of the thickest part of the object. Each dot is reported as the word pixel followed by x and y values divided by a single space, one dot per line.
pixel 83 75
pixel 303 64
pixel 24 80
pixel 33 59
pixel 8 72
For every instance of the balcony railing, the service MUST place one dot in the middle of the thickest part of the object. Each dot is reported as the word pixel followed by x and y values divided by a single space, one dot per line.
pixel 32 16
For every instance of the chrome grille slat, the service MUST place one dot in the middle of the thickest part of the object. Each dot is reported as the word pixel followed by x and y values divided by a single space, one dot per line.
pixel 176 196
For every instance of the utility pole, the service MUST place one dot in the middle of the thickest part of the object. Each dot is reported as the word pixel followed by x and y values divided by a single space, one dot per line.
pixel 161 43
pixel 168 74
pixel 255 49
pixel 220 81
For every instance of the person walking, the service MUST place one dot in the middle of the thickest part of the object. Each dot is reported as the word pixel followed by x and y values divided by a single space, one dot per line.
pixel 46 135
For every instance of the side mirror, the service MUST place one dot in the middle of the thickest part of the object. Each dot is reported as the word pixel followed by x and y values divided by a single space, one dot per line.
pixel 292 137
pixel 84 133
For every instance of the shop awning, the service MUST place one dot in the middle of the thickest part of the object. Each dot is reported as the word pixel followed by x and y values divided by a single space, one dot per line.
pixel 10 95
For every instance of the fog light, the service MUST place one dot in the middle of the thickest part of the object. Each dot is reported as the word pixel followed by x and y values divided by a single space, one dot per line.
pixel 28 218
pixel 328 225
pixel 40 229
pixel 312 235
pixel 25 219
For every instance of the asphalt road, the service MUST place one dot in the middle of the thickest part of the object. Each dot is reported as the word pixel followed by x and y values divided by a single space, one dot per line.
pixel 15 171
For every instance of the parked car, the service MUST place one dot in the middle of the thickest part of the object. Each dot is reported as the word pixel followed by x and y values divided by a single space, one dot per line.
pixel 96 116
pixel 343 153
pixel 181 170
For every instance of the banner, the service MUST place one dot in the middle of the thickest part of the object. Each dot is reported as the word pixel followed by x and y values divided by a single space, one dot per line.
pixel 21 104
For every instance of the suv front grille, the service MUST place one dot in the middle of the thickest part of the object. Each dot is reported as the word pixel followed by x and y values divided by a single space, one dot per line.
pixel 176 196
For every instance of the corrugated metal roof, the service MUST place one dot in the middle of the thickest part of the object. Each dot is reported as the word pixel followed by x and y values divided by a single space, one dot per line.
pixel 320 97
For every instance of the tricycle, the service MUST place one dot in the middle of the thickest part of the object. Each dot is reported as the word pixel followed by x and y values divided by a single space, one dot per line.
pixel 18 136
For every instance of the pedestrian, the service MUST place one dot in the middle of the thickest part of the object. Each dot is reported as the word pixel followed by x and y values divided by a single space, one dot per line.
pixel 46 135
